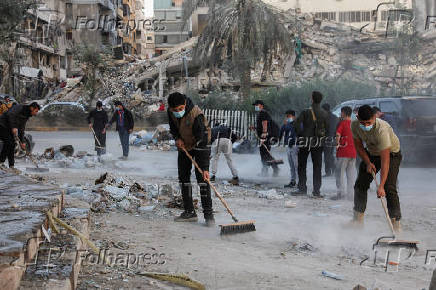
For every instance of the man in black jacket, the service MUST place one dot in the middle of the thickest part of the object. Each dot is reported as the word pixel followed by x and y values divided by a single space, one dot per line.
pixel 329 158
pixel 12 126
pixel 312 127
pixel 190 129
pixel 264 130
pixel 125 124
pixel 100 120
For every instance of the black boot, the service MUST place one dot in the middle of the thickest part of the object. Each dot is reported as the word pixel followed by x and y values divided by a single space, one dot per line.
pixel 189 214
pixel 206 202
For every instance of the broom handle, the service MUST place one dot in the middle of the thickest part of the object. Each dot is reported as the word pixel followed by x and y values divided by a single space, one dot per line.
pixel 385 208
pixel 263 143
pixel 95 136
pixel 211 185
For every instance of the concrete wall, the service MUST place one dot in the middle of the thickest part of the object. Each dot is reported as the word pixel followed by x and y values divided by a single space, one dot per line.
pixel 162 4
pixel 423 9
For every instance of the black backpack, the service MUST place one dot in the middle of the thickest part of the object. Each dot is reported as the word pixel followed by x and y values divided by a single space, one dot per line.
pixel 274 129
pixel 320 129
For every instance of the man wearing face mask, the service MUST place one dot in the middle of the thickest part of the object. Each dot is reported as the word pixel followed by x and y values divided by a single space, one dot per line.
pixel 266 130
pixel 125 124
pixel 190 129
pixel 382 153
pixel 290 138
pixel 99 117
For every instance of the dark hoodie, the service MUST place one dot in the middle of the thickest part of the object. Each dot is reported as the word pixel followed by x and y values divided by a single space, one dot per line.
pixel 16 117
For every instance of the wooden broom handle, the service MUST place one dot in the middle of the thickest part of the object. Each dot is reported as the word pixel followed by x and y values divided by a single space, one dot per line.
pixel 211 185
pixel 385 208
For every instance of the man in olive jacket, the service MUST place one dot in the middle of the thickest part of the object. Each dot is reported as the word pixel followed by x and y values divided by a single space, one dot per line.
pixel 190 129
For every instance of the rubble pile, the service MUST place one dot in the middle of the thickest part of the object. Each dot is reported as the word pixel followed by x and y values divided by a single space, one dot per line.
pixel 160 139
pixel 112 192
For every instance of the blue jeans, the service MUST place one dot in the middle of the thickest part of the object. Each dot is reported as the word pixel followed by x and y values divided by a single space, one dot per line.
pixel 293 161
pixel 124 138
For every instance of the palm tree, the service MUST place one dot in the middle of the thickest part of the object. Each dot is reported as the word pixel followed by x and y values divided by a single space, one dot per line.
pixel 241 33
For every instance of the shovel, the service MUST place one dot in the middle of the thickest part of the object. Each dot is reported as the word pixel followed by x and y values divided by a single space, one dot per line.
pixel 391 240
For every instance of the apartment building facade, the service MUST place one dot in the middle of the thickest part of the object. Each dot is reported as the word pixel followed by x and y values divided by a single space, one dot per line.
pixel 42 47
pixel 173 30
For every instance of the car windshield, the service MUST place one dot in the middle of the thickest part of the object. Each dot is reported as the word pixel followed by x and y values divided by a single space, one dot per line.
pixel 421 107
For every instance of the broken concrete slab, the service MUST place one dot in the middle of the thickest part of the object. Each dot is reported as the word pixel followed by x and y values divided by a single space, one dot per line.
pixel 22 206
pixel 433 281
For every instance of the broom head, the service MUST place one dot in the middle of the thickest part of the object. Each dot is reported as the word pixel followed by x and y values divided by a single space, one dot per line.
pixel 239 227
pixel 278 162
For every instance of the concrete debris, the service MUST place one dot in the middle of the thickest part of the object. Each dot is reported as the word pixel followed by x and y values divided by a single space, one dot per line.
pixel 160 139
pixel 144 209
pixel 290 204
pixel 332 275
pixel 67 150
pixel 49 153
pixel 116 193
pixel 269 194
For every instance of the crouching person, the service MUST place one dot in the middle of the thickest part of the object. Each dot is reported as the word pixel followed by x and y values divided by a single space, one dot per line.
pixel 190 129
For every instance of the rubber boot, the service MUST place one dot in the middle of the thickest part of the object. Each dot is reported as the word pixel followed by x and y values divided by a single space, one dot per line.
pixel 206 203
pixel 397 225
pixel 357 221
pixel 189 214
pixel 234 181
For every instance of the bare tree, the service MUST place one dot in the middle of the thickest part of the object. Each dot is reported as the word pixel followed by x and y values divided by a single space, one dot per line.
pixel 92 62
pixel 242 33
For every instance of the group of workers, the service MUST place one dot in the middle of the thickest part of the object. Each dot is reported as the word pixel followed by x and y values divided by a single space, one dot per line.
pixel 369 137
pixel 372 139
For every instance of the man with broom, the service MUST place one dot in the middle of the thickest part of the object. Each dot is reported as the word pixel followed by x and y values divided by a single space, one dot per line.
pixel 98 127
pixel 190 129
pixel 382 153
pixel 267 132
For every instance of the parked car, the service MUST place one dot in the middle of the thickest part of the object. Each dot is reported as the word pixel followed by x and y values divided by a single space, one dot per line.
pixel 413 119
pixel 62 114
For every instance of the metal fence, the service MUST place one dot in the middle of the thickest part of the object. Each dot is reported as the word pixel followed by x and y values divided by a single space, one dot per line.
pixel 239 121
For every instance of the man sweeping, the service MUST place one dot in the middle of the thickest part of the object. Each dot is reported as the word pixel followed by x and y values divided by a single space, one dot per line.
pixel 98 126
pixel 266 130
pixel 190 129
pixel 382 153
pixel 12 126
pixel 222 143
pixel 125 123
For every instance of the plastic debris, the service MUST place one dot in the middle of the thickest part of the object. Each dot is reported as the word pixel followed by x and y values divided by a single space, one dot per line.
pixel 332 275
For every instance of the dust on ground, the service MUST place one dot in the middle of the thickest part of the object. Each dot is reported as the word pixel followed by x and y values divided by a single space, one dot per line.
pixel 289 250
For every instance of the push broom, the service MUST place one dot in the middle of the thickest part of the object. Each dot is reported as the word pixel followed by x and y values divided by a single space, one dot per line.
pixel 393 242
pixel 273 161
pixel 237 226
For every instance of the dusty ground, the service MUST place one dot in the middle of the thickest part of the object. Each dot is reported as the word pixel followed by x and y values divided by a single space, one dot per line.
pixel 289 250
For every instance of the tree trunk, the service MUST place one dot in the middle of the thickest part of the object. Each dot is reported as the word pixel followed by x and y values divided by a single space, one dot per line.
pixel 244 67
pixel 245 79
